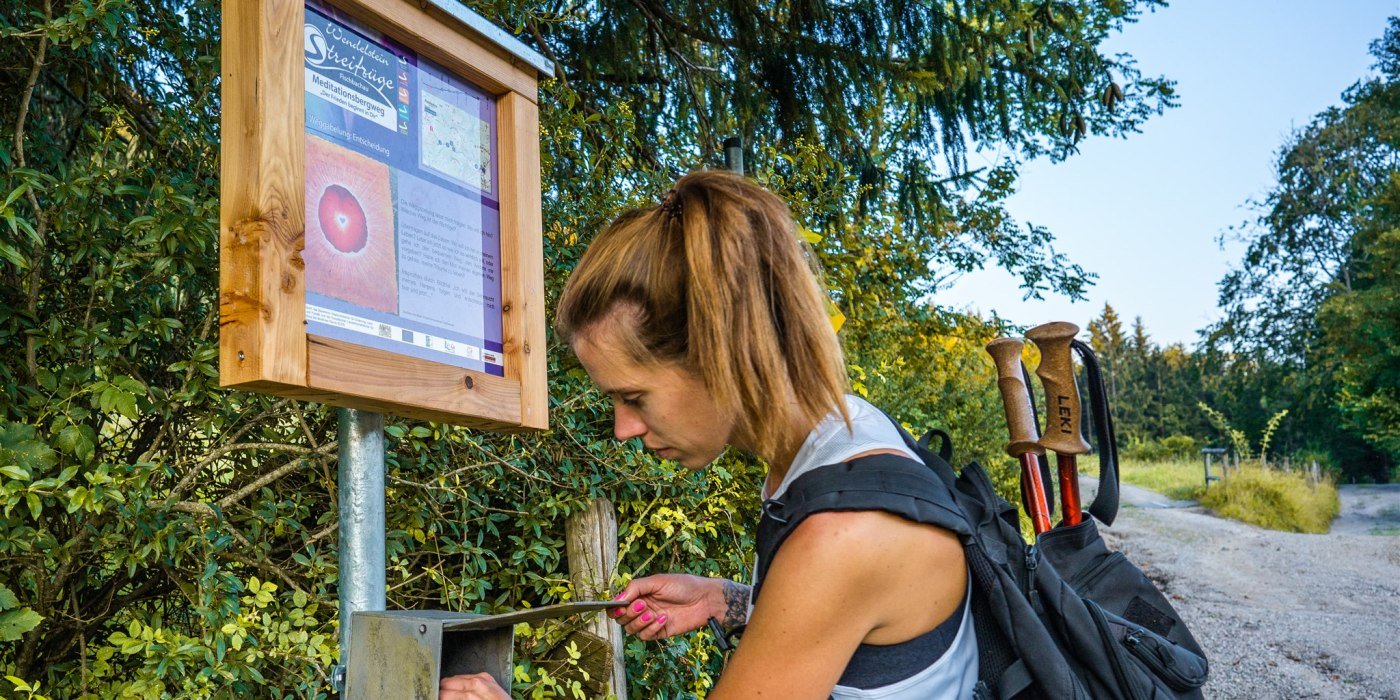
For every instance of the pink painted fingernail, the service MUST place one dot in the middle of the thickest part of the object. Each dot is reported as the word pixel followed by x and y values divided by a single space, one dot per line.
pixel 616 612
pixel 639 606
pixel 661 620
pixel 619 596
pixel 646 617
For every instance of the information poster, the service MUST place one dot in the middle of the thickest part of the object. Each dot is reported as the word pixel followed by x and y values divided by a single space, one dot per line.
pixel 402 210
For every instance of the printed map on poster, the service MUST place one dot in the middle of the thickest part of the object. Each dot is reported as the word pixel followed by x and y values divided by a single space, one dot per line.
pixel 402 225
pixel 456 143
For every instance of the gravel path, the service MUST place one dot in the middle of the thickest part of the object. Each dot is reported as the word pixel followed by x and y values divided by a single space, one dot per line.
pixel 1280 615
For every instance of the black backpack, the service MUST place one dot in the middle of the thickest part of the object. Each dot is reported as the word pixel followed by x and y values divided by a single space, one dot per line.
pixel 1062 618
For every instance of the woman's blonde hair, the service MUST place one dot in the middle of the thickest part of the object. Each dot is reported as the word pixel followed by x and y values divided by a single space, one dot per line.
pixel 716 278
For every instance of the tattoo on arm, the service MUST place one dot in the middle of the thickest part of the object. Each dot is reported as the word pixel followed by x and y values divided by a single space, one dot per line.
pixel 736 604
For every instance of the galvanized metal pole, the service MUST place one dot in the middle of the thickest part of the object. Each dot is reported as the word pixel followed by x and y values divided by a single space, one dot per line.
pixel 361 501
pixel 734 154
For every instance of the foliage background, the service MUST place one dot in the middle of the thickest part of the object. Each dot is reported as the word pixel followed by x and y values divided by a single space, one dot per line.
pixel 1309 314
pixel 162 537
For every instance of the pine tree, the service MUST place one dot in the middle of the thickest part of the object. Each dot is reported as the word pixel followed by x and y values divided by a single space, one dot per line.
pixel 1106 337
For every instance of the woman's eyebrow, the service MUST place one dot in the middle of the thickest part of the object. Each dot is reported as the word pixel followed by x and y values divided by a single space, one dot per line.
pixel 611 391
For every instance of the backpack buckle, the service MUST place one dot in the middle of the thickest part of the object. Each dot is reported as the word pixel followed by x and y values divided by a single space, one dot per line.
pixel 772 508
pixel 981 691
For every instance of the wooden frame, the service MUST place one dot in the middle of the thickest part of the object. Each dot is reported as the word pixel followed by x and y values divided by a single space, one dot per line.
pixel 263 342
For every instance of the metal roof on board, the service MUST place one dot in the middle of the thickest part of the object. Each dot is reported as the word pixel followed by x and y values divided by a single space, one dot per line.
pixel 495 34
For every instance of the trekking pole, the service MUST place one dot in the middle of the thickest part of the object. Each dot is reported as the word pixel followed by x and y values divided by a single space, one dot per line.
pixel 1062 410
pixel 1015 396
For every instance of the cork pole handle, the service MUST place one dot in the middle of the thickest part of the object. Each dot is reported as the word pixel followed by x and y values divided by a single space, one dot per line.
pixel 1006 353
pixel 1056 372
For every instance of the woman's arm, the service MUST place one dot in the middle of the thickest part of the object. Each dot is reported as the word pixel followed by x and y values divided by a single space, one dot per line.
pixel 666 605
pixel 840 579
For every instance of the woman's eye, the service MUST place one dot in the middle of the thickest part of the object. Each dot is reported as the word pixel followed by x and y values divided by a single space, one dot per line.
pixel 632 401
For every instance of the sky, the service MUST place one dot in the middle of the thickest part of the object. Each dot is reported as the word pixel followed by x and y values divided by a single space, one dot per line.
pixel 1145 213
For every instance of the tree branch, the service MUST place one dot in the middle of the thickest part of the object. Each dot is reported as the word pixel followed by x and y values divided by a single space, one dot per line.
pixel 270 477
pixel 31 361
pixel 267 567
pixel 188 479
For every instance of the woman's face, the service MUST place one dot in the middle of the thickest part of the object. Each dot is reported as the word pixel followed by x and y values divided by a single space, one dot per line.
pixel 664 404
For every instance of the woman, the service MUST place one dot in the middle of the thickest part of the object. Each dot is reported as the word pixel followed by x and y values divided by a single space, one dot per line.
pixel 704 323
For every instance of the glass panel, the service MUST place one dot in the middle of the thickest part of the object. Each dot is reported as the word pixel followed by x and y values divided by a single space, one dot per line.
pixel 403 222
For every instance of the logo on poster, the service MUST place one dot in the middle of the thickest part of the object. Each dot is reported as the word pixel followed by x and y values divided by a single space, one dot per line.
pixel 360 62
pixel 350 72
pixel 315 46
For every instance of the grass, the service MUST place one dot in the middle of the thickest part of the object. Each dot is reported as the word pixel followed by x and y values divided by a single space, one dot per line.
pixel 1268 498
pixel 1182 480
pixel 1275 499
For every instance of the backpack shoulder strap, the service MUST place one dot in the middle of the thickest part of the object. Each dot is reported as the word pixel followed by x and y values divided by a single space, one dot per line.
pixel 1105 505
pixel 883 482
pixel 945 443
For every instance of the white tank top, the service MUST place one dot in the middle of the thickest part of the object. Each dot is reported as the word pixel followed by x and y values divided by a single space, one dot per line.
pixel 952 675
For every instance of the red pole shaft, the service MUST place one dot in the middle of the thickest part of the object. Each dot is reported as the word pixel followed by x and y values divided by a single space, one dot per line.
pixel 1035 493
pixel 1069 488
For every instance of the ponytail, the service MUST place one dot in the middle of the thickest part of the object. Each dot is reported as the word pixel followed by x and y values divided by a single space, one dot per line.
pixel 718 279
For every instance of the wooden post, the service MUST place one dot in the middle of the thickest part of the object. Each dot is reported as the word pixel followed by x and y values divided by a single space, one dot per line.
pixel 592 552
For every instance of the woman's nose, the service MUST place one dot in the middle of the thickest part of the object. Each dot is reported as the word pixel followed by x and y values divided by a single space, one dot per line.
pixel 627 424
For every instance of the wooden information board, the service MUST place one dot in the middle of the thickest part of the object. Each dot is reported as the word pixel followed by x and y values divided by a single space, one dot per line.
pixel 380 210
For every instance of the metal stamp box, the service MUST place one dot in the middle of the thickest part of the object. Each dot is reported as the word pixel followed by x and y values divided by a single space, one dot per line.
pixel 404 654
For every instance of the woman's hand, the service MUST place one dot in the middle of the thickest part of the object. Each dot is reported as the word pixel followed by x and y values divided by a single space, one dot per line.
pixel 665 605
pixel 477 686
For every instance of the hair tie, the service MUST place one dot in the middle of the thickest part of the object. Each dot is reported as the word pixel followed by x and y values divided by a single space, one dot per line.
pixel 670 204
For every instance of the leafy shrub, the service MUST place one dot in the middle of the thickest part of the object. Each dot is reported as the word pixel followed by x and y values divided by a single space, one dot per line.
pixel 1175 447
pixel 1180 446
pixel 1274 499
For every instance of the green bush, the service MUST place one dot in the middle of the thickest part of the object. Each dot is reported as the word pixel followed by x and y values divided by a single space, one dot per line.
pixel 1181 446
pixel 1175 447
pixel 1274 499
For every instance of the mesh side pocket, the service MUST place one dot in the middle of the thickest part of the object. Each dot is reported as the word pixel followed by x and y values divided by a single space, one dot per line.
pixel 994 652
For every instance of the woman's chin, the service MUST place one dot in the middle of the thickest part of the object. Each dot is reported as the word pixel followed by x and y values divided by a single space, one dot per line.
pixel 688 460
pixel 695 464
